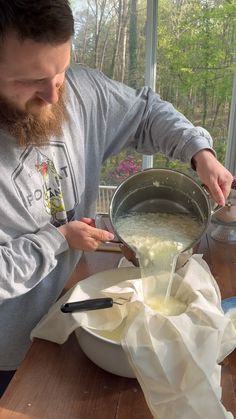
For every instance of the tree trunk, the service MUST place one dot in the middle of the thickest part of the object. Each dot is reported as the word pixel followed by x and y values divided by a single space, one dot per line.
pixel 104 50
pixel 117 41
pixel 98 12
pixel 133 44
pixel 124 30
pixel 83 55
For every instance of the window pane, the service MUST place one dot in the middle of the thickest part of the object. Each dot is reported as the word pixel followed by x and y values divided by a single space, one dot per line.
pixel 196 56
pixel 111 38
pixel 195 60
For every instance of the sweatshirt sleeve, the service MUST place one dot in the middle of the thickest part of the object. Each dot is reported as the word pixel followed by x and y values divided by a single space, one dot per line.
pixel 140 119
pixel 26 260
pixel 152 125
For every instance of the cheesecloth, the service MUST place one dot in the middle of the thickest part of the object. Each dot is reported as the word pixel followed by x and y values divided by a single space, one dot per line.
pixel 175 358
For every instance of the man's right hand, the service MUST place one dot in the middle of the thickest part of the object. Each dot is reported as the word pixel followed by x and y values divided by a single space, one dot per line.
pixel 82 235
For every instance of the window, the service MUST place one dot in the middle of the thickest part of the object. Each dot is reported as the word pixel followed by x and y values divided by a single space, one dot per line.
pixel 195 62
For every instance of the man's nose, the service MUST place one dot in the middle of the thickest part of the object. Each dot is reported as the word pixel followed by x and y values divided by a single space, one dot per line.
pixel 50 91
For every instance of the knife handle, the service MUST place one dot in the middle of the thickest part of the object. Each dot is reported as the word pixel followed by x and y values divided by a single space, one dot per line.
pixel 86 305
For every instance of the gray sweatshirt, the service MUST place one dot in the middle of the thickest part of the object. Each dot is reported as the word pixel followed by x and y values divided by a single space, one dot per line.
pixel 43 187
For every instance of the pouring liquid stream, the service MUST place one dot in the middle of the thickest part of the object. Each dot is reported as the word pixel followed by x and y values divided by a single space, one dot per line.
pixel 158 239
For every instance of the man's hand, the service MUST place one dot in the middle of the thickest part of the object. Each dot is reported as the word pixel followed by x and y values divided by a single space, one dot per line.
pixel 83 234
pixel 212 174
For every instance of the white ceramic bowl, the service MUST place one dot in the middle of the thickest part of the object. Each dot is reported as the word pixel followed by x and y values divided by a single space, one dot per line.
pixel 104 352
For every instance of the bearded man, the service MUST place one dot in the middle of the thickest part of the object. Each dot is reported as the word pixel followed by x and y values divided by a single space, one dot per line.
pixel 58 124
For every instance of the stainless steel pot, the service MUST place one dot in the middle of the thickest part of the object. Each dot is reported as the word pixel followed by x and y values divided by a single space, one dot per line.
pixel 161 190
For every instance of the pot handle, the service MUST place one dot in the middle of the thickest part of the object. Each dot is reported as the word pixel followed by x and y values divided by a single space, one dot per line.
pixel 218 207
pixel 102 220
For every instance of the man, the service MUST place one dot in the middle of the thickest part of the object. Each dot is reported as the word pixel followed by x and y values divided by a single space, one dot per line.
pixel 57 126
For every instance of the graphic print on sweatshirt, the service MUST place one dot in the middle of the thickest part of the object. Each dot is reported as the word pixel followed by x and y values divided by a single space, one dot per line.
pixel 46 183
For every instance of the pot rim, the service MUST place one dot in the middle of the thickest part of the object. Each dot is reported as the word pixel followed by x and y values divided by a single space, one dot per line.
pixel 184 175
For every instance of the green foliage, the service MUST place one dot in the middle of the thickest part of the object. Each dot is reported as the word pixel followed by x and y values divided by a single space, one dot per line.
pixel 220 148
pixel 196 58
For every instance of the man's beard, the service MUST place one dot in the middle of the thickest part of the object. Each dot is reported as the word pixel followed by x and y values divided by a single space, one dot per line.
pixel 33 128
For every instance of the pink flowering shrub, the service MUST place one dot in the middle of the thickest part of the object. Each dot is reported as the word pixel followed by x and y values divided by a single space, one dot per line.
pixel 127 167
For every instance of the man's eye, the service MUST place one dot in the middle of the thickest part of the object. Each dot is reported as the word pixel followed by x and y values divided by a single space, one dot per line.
pixel 30 82
pixel 25 82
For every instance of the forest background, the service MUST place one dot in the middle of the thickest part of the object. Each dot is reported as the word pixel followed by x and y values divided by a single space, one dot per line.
pixel 195 62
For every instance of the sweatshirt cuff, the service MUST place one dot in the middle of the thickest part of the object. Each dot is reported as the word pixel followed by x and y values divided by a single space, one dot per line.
pixel 193 147
pixel 51 237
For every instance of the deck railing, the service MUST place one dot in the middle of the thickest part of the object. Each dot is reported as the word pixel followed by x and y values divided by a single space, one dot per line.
pixel 104 198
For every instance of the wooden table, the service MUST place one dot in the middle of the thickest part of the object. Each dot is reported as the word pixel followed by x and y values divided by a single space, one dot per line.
pixel 59 382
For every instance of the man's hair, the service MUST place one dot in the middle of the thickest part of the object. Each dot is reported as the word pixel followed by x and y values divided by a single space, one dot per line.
pixel 44 21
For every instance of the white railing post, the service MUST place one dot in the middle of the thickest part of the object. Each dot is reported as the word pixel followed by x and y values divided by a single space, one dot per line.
pixel 104 198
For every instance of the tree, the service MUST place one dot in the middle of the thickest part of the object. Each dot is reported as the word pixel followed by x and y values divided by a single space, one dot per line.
pixel 133 44
pixel 118 69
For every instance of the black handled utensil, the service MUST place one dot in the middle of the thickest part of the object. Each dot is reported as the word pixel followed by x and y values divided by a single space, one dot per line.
pixel 91 304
